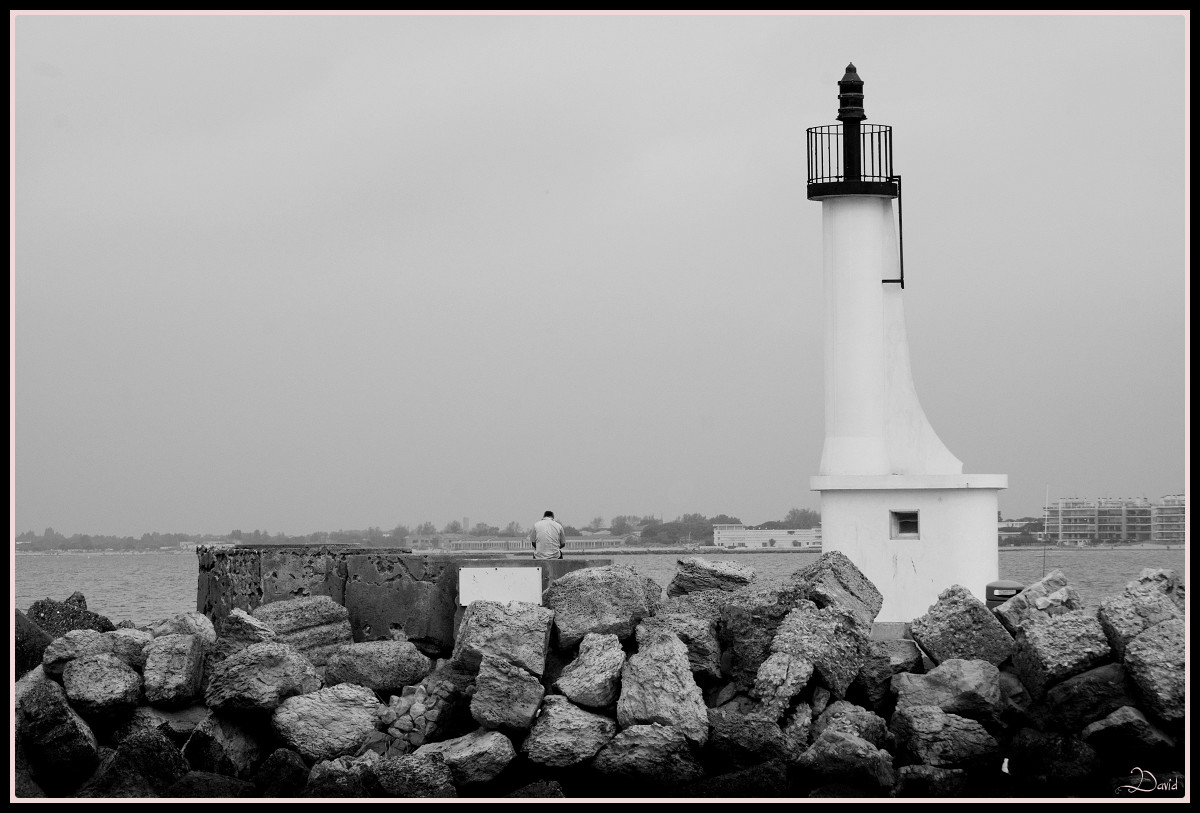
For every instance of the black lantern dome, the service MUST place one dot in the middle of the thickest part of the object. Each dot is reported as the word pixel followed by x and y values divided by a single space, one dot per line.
pixel 850 158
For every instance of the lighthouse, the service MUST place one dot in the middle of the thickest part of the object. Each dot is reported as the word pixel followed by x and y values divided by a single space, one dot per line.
pixel 894 499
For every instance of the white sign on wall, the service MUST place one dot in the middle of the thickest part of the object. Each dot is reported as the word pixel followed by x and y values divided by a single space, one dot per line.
pixel 499 584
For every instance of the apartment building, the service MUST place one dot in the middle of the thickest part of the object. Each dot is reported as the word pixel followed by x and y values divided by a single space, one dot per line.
pixel 1119 520
pixel 739 536
pixel 1169 520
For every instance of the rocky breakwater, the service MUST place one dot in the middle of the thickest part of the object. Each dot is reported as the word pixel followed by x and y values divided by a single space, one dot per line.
pixel 608 689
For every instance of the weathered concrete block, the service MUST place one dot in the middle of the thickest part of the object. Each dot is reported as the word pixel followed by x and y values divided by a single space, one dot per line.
pixel 593 679
pixel 515 631
pixel 832 638
pixel 696 573
pixel 746 628
pixel 315 625
pixel 700 638
pixel 611 599
pixel 657 687
pixel 1089 696
pixel 385 666
pixel 966 688
pixel 259 678
pixel 1058 648
pixel 929 735
pixel 506 696
pixel 961 626
pixel 171 676
pixel 1156 662
pixel 565 734
pixel 835 581
pixel 327 723
pixel 1049 596
pixel 474 758
pixel 1128 614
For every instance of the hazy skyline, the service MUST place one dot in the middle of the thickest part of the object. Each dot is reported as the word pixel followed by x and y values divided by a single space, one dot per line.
pixel 309 272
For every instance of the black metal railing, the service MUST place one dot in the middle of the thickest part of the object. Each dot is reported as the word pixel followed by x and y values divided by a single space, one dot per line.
pixel 827 155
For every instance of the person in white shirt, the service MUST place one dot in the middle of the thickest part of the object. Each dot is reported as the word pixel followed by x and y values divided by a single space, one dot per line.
pixel 548 538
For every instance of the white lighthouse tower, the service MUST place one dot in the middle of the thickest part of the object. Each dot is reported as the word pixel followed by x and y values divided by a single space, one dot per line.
pixel 893 498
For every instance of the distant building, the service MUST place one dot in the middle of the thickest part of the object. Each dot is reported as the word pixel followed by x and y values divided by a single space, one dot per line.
pixel 739 536
pixel 1168 520
pixel 1109 520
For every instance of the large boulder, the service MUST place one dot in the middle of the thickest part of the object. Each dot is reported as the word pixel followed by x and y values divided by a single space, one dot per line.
pixel 174 666
pixel 1058 648
pixel 59 746
pixel 832 638
pixel 327 723
pixel 841 757
pixel 883 659
pixel 696 574
pixel 1168 582
pixel 102 688
pixel 517 631
pixel 593 679
pixel 219 744
pixel 610 599
pixel 57 618
pixel 1089 696
pixel 259 678
pixel 835 581
pixel 565 734
pixel 958 625
pixel 1126 732
pixel 342 778
pixel 129 645
pixel 844 716
pixel 966 688
pixel 506 696
pixel 192 623
pixel 385 666
pixel 473 758
pixel 439 707
pixel 745 630
pixel 74 644
pixel 703 604
pixel 929 735
pixel 1045 598
pixel 700 638
pixel 29 643
pixel 1131 612
pixel 657 686
pixel 653 754
pixel 412 776
pixel 1156 660
pixel 144 765
pixel 315 625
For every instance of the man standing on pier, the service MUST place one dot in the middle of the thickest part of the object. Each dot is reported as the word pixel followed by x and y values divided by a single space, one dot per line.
pixel 548 538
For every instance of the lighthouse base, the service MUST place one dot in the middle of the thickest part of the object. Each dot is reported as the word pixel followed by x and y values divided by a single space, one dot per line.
pixel 914 535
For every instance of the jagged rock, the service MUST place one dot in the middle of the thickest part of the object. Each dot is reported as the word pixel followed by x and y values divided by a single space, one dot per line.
pixel 961 626
pixel 517 631
pixel 841 757
pixel 473 758
pixel 29 643
pixel 315 625
pixel 657 686
pixel 797 731
pixel 74 644
pixel 385 666
pixel 205 785
pixel 835 581
pixel 59 745
pixel 882 660
pixel 102 688
pixel 192 623
pixel 77 599
pixel 780 678
pixel 1058 648
pixel 412 776
pixel 610 599
pixel 656 754
pixel 565 734
pixel 1127 732
pixel 745 630
pixel 145 764
pixel 540 789
pixel 506 696
pixel 171 676
pixel 593 679
pixel 830 638
pixel 439 707
pixel 926 781
pixel 1045 598
pixel 1156 662
pixel 220 745
pixel 129 645
pixel 282 775
pixel 696 573
pixel 57 618
pixel 862 723
pixel 235 632
pixel 739 740
pixel 177 724
pixel 1089 696
pixel 1168 582
pixel 1133 611
pixel 956 686
pixel 344 777
pixel 700 638
pixel 327 723
pixel 703 604
pixel 1042 760
pixel 931 736
pixel 767 780
pixel 259 678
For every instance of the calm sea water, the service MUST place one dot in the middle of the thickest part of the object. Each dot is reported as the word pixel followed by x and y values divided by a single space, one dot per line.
pixel 145 587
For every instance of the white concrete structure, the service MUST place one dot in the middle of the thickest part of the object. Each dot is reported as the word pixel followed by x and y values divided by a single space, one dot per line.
pixel 893 497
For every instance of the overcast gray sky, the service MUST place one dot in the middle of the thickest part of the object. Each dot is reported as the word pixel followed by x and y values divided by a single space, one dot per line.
pixel 303 273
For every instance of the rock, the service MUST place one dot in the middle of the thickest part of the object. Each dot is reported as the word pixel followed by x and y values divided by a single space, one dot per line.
pixel 841 757
pixel 59 746
pixel 385 666
pixel 327 723
pixel 205 785
pixel 177 724
pixel 966 688
pixel 171 676
pixel 768 780
pixel 835 581
pixel 831 638
pixel 235 632
pixel 1130 613
pixel 77 600
pixel 565 734
pixel 282 775
pixel 185 624
pixel 412 776
pixel 1127 733
pixel 30 641
pixel 1167 582
pixel 102 688
pixel 961 626
pixel 517 631
pixel 1053 763
pixel 745 630
pixel 315 625
pixel 57 618
pixel 220 745
pixel 926 781
pixel 24 785
pixel 259 678
pixel 883 659
pixel 781 677
pixel 657 687
pixel 506 696
pixel 797 731
pixel 820 699
pixel 129 645
pixel 738 740
pixel 655 754
pixel 851 719
pixel 341 778
pixel 931 736
pixel 473 758
pixel 1156 662
pixel 696 573
pixel 1045 598
pixel 1058 648
pixel 703 604
pixel 593 679
pixel 611 599
pixel 437 708
pixel 700 638
pixel 540 789
pixel 1088 697
pixel 75 644
pixel 145 764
